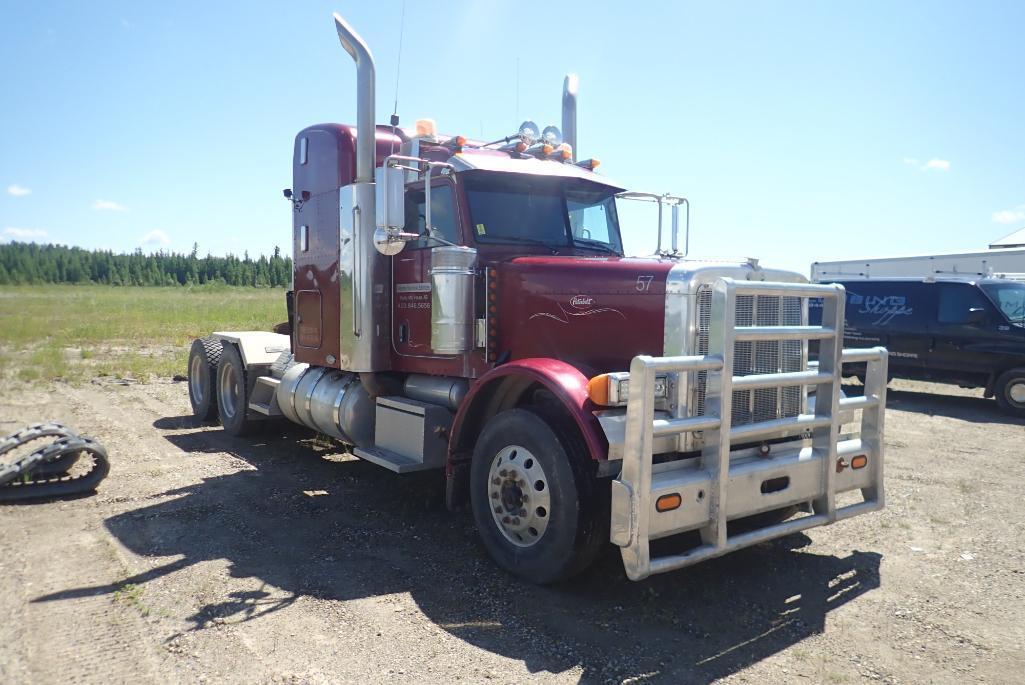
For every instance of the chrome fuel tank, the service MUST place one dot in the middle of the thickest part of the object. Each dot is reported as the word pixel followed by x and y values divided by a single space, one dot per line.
pixel 329 401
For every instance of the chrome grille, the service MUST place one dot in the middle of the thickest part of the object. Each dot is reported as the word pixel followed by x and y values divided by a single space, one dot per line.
pixel 750 406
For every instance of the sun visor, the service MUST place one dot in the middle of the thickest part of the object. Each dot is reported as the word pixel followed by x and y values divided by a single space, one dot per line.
pixel 501 162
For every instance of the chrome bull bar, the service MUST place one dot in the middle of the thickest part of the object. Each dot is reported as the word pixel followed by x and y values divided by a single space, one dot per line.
pixel 713 489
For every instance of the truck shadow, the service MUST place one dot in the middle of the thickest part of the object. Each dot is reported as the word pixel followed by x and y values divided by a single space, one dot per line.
pixel 961 407
pixel 305 524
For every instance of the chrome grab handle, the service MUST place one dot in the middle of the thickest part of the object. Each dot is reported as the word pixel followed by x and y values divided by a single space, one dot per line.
pixel 357 314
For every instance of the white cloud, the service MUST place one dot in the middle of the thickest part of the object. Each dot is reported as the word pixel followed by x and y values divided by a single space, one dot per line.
pixel 155 237
pixel 937 164
pixel 932 165
pixel 110 205
pixel 23 233
pixel 1010 216
pixel 18 190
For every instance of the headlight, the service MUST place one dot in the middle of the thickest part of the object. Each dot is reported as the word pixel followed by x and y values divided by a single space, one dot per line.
pixel 613 389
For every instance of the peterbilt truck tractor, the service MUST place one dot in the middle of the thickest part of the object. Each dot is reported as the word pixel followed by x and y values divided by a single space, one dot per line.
pixel 466 306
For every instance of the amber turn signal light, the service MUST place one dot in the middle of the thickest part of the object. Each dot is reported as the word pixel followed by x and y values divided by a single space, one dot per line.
pixel 668 502
pixel 598 389
pixel 859 462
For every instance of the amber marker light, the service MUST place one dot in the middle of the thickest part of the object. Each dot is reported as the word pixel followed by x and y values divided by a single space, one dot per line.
pixel 668 502
pixel 859 462
pixel 598 389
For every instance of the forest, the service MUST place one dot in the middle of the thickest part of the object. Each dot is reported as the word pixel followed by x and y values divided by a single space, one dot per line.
pixel 31 264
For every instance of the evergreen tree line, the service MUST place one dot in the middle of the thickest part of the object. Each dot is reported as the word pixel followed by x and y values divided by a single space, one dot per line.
pixel 29 263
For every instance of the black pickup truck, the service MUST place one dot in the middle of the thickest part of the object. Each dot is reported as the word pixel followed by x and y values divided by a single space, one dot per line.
pixel 968 331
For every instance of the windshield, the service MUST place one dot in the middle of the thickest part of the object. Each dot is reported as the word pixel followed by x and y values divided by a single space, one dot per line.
pixel 539 211
pixel 1010 298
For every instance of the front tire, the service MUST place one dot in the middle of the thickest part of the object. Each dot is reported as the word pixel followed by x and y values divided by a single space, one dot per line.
pixel 1010 392
pixel 203 359
pixel 233 393
pixel 535 500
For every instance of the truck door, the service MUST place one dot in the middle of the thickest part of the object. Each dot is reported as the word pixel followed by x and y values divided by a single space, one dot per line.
pixel 964 331
pixel 411 305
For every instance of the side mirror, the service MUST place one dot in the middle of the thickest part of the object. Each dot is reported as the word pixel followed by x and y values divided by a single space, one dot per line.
pixel 390 190
pixel 976 316
pixel 391 198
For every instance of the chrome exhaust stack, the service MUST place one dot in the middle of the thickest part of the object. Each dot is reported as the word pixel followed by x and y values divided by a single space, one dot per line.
pixel 569 112
pixel 366 126
pixel 365 296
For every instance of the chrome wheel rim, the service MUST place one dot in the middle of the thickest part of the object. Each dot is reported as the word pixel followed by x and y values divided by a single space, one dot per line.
pixel 1017 392
pixel 518 496
pixel 230 391
pixel 196 379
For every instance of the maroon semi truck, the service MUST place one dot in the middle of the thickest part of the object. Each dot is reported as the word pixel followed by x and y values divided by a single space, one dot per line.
pixel 467 307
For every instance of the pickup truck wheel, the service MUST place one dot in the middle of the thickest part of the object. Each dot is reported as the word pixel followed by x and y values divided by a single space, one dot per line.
pixel 535 501
pixel 1010 392
pixel 232 393
pixel 203 359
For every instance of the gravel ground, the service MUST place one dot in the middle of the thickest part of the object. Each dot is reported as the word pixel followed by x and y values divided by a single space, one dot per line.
pixel 278 559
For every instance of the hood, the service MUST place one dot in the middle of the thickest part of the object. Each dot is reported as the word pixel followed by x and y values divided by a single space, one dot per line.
pixel 596 313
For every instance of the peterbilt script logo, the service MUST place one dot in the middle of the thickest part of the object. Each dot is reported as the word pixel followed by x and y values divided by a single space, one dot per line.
pixel 585 306
pixel 887 307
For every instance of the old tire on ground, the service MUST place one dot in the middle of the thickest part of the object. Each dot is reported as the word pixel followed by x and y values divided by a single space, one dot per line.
pixel 233 393
pixel 203 359
pixel 1010 392
pixel 538 507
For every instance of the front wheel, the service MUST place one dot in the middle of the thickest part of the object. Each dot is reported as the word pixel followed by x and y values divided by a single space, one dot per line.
pixel 536 502
pixel 1010 392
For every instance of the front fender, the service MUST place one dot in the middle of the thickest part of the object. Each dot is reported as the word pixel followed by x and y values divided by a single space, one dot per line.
pixel 502 387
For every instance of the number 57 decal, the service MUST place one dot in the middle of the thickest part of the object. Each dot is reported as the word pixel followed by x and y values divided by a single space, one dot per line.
pixel 644 283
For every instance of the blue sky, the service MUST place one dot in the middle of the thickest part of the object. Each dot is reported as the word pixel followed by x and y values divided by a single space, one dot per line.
pixel 799 131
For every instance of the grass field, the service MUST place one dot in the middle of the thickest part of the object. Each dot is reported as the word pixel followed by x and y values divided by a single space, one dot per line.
pixel 76 333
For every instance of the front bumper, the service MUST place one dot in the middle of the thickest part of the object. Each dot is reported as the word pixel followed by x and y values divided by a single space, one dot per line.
pixel 721 485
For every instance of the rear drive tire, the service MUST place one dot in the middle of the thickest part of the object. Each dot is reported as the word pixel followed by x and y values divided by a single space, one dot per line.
pixel 233 393
pixel 203 359
pixel 537 505
pixel 1010 392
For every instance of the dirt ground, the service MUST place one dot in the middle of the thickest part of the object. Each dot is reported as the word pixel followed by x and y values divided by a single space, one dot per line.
pixel 277 559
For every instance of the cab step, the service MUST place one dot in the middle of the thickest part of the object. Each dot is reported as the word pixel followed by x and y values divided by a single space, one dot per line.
pixel 264 399
pixel 392 461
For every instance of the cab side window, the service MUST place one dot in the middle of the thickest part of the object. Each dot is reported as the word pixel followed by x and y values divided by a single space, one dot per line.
pixel 443 215
pixel 956 300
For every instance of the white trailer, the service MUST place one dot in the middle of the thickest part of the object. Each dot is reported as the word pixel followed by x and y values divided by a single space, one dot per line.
pixel 1007 262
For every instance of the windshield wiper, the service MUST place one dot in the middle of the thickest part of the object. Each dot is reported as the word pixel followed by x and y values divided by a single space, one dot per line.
pixel 596 244
pixel 523 241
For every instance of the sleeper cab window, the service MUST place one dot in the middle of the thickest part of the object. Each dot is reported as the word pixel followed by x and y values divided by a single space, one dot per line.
pixel 304 238
pixel 304 145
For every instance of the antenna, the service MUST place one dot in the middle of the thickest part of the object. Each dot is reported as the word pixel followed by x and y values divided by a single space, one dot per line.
pixel 398 61
pixel 398 70
pixel 517 89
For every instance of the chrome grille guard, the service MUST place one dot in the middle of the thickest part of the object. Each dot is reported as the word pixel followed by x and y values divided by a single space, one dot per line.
pixel 713 489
